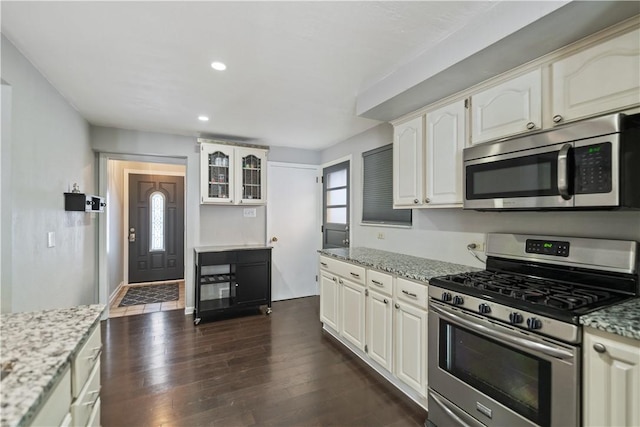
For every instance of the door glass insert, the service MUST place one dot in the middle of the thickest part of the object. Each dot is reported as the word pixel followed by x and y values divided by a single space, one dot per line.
pixel 337 179
pixel 514 378
pixel 218 175
pixel 251 177
pixel 157 221
pixel 337 197
pixel 337 215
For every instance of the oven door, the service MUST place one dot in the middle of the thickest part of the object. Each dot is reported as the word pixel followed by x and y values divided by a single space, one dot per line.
pixel 493 375
pixel 532 178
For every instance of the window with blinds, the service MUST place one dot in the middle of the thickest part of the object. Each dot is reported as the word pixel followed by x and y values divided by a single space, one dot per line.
pixel 377 200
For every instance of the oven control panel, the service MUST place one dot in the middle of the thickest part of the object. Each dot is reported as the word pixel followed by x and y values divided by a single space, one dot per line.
pixel 547 247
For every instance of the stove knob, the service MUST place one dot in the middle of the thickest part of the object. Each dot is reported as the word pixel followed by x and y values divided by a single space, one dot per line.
pixel 515 318
pixel 446 297
pixel 484 309
pixel 533 323
pixel 457 300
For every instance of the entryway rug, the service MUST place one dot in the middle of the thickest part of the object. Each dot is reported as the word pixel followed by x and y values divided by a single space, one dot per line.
pixel 138 295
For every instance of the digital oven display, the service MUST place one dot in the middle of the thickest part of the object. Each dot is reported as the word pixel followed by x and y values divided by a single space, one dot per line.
pixel 547 247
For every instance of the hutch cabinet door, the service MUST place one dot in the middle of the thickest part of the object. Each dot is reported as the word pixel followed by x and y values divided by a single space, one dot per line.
pixel 251 176
pixel 216 177
pixel 252 283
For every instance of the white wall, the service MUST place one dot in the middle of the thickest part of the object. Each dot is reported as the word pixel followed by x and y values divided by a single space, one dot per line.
pixel 443 234
pixel 5 198
pixel 50 150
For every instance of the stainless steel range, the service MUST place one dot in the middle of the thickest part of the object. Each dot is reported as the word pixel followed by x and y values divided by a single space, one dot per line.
pixel 504 343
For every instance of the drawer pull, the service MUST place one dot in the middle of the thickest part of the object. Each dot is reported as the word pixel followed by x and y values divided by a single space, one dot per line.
pixel 375 282
pixel 97 351
pixel 355 275
pixel 412 295
pixel 324 264
pixel 93 393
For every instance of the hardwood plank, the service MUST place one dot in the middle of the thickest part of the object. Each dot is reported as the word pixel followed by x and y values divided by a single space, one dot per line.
pixel 158 369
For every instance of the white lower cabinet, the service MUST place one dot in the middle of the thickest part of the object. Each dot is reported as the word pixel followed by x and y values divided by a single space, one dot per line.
pixel 380 329
pixel 611 380
pixel 329 293
pixel 410 336
pixel 352 312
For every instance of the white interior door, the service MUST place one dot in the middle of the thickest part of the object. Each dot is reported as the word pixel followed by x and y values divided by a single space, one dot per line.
pixel 292 219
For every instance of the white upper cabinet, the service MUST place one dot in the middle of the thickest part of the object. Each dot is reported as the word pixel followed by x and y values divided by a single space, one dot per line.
pixel 251 175
pixel 510 108
pixel 603 78
pixel 232 175
pixel 445 141
pixel 408 142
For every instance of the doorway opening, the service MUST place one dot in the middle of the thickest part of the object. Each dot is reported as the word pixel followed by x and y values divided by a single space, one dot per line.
pixel 145 236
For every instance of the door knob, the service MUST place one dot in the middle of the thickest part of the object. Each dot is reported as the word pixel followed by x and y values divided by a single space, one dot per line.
pixel 132 235
pixel 274 239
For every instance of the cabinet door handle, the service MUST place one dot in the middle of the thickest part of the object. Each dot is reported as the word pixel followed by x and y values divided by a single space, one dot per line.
pixel 324 264
pixel 427 200
pixel 237 284
pixel 416 201
pixel 375 282
pixel 340 281
pixel 334 279
pixel 355 275
pixel 557 118
pixel 412 295
pixel 385 301
pixel 600 348
pixel 397 305
pixel 531 125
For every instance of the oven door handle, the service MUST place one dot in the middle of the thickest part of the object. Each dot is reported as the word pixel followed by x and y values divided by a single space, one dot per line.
pixel 451 412
pixel 563 171
pixel 502 336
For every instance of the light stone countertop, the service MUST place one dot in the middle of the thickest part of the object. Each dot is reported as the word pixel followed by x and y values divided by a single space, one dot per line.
pixel 407 266
pixel 35 350
pixel 620 319
pixel 201 249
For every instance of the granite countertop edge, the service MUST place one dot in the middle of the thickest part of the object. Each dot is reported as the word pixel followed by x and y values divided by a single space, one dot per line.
pixel 226 248
pixel 405 266
pixel 21 398
pixel 621 319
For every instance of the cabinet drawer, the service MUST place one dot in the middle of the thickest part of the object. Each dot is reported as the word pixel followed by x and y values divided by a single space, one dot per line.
pixel 380 282
pixel 349 271
pixel 253 256
pixel 56 407
pixel 216 258
pixel 412 292
pixel 94 418
pixel 88 398
pixel 84 361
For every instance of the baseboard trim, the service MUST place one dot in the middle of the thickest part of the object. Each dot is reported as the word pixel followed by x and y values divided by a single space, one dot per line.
pixel 114 294
pixel 188 310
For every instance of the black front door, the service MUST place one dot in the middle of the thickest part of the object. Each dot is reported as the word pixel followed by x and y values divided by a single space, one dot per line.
pixel 156 228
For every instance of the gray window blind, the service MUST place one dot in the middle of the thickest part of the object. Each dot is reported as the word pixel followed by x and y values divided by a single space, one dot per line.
pixel 377 203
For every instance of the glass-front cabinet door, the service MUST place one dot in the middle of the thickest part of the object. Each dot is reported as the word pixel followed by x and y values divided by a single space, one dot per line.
pixel 251 175
pixel 217 174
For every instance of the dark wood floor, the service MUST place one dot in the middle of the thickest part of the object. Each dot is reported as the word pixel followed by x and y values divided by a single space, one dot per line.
pixel 158 369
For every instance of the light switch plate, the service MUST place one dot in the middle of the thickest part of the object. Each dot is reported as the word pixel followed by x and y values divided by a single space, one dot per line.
pixel 249 212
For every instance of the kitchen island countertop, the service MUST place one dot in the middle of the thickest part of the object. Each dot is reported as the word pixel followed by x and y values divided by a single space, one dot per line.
pixel 621 319
pixel 35 350
pixel 407 266
pixel 201 249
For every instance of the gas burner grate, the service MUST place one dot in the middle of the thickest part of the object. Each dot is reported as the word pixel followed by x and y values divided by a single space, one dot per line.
pixel 549 293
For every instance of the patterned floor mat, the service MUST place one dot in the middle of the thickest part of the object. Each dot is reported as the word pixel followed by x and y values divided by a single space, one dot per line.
pixel 139 295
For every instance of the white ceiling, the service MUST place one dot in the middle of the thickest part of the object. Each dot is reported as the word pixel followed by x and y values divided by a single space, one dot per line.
pixel 294 68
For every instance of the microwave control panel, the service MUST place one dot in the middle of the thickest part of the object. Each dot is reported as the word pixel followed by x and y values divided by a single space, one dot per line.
pixel 593 168
pixel 547 247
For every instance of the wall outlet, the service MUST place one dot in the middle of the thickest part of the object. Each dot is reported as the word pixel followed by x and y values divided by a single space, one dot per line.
pixel 51 239
pixel 476 246
pixel 381 235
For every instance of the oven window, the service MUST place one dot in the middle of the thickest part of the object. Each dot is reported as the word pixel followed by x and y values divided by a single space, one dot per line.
pixel 514 378
pixel 527 176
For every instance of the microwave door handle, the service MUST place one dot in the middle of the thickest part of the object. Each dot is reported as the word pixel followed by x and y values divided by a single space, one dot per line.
pixel 563 171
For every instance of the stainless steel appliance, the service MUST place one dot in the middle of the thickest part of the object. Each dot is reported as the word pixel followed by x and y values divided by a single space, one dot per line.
pixel 504 343
pixel 592 164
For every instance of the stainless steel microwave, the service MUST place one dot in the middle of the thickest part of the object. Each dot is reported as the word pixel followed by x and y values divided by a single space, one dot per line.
pixel 592 164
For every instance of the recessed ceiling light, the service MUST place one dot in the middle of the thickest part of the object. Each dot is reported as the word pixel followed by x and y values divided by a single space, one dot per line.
pixel 203 118
pixel 218 66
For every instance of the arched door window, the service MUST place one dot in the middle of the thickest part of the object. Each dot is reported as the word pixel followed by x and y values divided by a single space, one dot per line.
pixel 156 223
